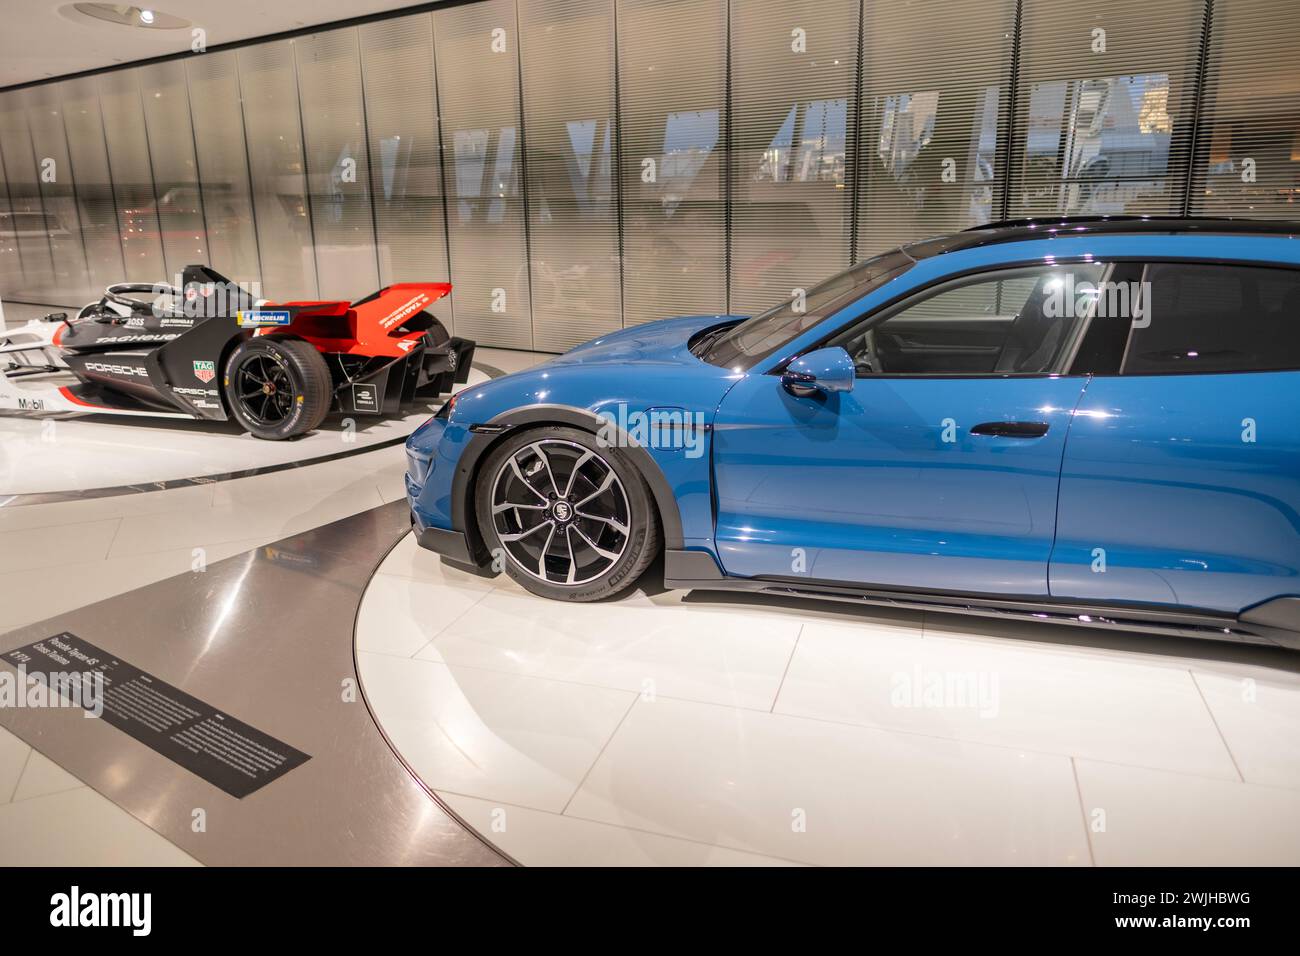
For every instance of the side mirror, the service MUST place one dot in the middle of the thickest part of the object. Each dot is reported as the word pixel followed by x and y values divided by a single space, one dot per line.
pixel 56 317
pixel 824 371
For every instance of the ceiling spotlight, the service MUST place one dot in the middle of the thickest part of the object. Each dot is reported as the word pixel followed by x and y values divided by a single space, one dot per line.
pixel 125 15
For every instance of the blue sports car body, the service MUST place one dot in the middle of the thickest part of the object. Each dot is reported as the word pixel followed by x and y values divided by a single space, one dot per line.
pixel 1096 422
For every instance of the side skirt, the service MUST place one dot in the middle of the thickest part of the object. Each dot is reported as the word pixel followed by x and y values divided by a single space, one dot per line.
pixel 697 570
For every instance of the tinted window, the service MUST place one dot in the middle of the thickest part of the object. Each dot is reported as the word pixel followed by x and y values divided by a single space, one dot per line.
pixel 1216 318
pixel 745 344
pixel 1012 322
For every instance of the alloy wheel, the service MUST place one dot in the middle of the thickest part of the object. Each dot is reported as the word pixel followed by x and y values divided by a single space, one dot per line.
pixel 560 512
pixel 263 389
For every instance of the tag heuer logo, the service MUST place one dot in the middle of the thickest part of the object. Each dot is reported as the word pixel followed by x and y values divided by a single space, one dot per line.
pixel 205 371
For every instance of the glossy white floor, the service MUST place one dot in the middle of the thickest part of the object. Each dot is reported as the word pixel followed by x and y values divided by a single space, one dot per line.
pixel 667 728
pixel 61 555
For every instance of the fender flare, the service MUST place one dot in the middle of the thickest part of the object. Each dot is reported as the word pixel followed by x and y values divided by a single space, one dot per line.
pixel 512 421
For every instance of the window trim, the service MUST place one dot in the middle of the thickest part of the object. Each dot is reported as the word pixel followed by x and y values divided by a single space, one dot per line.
pixel 887 309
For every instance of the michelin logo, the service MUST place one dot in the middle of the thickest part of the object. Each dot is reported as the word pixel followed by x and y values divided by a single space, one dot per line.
pixel 261 318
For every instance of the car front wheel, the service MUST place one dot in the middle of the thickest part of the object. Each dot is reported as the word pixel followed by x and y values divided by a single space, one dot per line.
pixel 563 516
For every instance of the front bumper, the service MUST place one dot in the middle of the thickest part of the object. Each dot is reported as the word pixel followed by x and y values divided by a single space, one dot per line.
pixel 452 545
pixel 428 492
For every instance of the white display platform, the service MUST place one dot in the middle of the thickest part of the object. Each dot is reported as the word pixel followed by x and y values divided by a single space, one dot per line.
pixel 84 453
pixel 678 729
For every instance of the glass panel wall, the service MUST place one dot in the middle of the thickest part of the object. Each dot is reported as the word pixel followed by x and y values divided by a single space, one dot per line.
pixel 1248 138
pixel 273 130
pixel 672 90
pixel 1104 107
pixel 935 117
pixel 55 176
pixel 577 166
pixel 478 89
pixel 794 72
pixel 129 165
pixel 338 167
pixel 222 152
pixel 83 124
pixel 175 173
pixel 401 96
pixel 28 228
pixel 567 66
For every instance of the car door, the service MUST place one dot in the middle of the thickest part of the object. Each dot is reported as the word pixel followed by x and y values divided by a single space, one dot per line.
pixel 1181 479
pixel 938 471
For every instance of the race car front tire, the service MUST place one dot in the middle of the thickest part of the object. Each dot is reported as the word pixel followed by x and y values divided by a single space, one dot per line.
pixel 277 388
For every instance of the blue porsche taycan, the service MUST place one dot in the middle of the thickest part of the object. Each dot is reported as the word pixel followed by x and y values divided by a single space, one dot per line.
pixel 1090 421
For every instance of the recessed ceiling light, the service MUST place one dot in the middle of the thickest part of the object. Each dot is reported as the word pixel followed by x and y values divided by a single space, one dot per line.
pixel 125 15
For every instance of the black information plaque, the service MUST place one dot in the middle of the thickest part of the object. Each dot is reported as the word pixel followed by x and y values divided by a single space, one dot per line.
pixel 225 752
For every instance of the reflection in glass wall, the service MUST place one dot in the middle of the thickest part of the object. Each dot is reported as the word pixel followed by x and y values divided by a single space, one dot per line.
pixel 28 228
pixel 401 99
pixel 573 166
pixel 1104 113
pixel 1248 138
pixel 128 159
pixel 273 127
pixel 338 171
pixel 935 118
pixel 793 73
pixel 672 105
pixel 478 89
pixel 175 175
pixel 223 165
pixel 11 265
pixel 55 175
pixel 568 108
pixel 83 126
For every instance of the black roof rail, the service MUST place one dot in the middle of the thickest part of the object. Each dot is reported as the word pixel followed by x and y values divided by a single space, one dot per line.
pixel 1016 230
pixel 1084 224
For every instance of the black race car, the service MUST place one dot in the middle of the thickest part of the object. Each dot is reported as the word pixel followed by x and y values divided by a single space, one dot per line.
pixel 210 349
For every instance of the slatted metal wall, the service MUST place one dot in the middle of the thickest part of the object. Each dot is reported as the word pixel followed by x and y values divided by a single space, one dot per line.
pixel 794 69
pixel 1247 159
pixel 935 114
pixel 576 166
pixel 1104 107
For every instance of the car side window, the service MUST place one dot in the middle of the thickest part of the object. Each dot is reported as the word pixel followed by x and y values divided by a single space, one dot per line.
pixel 1207 317
pixel 1010 322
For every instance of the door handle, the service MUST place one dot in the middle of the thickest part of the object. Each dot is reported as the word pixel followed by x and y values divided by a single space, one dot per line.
pixel 1011 429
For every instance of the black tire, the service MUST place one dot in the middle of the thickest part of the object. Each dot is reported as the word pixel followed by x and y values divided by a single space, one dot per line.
pixel 620 520
pixel 296 393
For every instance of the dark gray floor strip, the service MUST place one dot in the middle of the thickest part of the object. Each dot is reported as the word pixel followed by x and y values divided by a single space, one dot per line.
pixel 266 637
